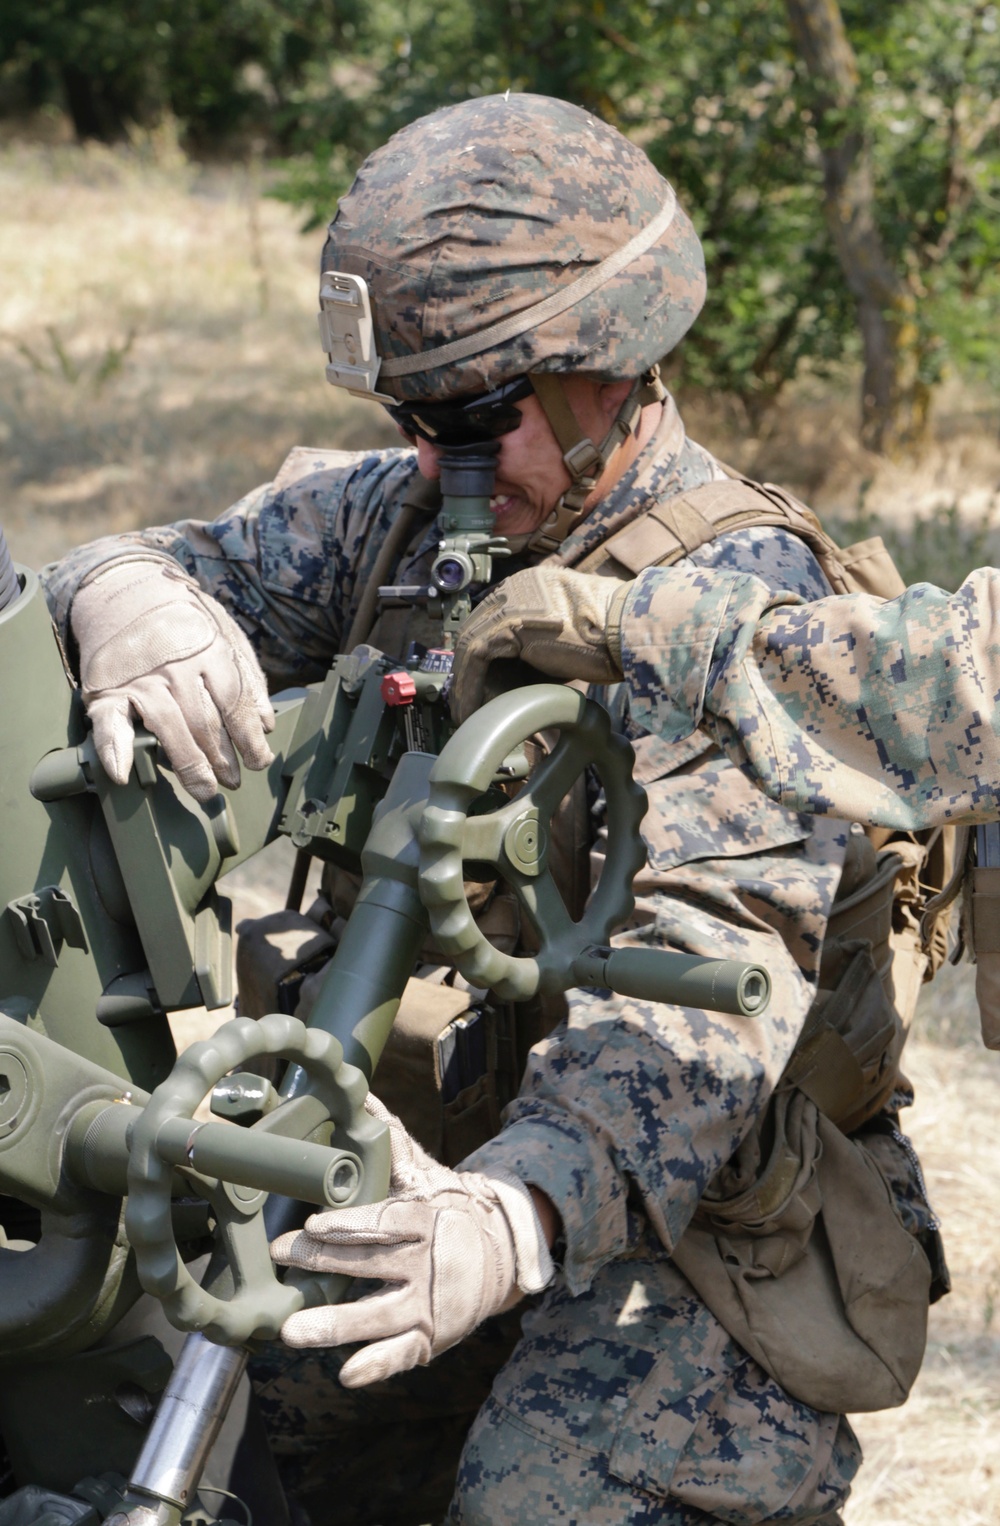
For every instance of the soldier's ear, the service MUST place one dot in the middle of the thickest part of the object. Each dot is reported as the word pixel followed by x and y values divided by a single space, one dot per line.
pixel 610 397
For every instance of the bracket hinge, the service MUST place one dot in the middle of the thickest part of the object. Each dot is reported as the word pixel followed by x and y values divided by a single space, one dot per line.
pixel 44 920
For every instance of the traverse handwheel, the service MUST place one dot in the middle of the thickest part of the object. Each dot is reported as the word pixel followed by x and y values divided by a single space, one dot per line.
pixel 514 839
pixel 279 1149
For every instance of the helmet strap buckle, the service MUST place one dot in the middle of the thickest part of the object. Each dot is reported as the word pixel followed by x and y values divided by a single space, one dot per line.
pixel 584 460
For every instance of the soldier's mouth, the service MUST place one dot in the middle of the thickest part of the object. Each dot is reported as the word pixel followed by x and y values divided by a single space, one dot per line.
pixel 502 503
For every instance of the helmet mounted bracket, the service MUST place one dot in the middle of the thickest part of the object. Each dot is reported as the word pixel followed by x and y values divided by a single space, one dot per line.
pixel 347 335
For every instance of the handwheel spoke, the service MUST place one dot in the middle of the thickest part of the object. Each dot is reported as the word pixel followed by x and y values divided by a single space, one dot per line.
pixel 246 1247
pixel 245 1167
pixel 482 836
pixel 516 838
pixel 554 777
pixel 545 908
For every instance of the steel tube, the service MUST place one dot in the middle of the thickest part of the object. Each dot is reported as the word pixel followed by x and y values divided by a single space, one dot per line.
pixel 188 1419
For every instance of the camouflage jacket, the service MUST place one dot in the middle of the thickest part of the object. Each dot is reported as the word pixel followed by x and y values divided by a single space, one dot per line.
pixel 625 1102
pixel 885 712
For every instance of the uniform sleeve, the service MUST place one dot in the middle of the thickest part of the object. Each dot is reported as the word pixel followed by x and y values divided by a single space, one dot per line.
pixel 884 712
pixel 289 561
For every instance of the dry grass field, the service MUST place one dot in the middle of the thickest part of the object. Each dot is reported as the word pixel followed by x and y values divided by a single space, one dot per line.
pixel 158 356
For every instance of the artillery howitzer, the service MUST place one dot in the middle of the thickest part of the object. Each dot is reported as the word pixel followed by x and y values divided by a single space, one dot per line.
pixel 110 917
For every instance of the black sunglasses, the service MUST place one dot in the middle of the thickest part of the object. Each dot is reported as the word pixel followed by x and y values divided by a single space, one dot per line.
pixel 468 422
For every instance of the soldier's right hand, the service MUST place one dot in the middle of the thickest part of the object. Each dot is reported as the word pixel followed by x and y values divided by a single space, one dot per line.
pixel 153 647
pixel 563 623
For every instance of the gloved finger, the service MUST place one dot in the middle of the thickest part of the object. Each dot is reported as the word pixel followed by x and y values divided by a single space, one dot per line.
pixel 246 727
pixel 234 704
pixel 114 734
pixel 381 1263
pixel 468 682
pixel 161 714
pixel 378 1110
pixel 388 1223
pixel 189 687
pixel 482 639
pixel 320 1327
pixel 406 1156
pixel 256 683
pixel 374 1363
pixel 377 1316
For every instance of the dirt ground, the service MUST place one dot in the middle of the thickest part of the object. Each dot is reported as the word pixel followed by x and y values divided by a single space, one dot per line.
pixel 159 355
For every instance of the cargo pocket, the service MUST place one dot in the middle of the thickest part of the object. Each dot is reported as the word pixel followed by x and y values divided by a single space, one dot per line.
pixel 735 1446
pixel 470 1119
pixel 712 811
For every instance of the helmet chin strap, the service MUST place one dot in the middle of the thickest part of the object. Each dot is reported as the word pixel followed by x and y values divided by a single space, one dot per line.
pixel 584 460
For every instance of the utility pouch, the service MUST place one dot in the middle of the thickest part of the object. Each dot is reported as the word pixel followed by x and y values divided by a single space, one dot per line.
pixel 799 1251
pixel 847 1058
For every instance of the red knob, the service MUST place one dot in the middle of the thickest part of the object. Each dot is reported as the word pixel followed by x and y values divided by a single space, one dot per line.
pixel 398 688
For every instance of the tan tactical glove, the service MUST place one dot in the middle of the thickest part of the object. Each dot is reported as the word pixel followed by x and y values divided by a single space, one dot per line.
pixel 453 1248
pixel 564 623
pixel 153 646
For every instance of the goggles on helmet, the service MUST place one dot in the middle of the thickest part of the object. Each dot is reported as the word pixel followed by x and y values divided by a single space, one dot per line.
pixel 464 422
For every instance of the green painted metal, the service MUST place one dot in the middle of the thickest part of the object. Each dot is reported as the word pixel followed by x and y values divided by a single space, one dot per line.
pixel 246 1165
pixel 66 935
pixel 720 985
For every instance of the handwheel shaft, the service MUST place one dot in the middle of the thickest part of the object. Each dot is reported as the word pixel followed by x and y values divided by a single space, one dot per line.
pixel 685 980
pixel 264 1162
pixel 98 1154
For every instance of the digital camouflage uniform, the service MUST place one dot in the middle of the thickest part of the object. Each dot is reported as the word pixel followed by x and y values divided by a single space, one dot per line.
pixel 876 711
pixel 626 1399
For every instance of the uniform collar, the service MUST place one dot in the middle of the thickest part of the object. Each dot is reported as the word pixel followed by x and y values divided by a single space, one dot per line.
pixel 669 463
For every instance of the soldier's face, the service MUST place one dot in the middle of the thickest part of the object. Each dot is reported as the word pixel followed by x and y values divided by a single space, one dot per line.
pixel 531 474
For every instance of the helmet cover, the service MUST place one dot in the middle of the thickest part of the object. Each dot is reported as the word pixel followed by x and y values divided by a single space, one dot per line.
pixel 485 209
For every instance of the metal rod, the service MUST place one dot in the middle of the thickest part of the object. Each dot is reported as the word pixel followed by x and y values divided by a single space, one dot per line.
pixel 188 1419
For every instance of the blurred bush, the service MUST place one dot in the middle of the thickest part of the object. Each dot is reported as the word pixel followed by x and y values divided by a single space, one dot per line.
pixel 221 67
pixel 714 90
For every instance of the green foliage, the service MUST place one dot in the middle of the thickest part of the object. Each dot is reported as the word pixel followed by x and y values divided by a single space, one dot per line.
pixel 709 91
pixel 711 88
pixel 714 92
pixel 931 74
pixel 217 65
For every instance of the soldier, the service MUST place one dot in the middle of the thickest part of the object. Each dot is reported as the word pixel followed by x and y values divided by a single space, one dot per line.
pixel 728 1231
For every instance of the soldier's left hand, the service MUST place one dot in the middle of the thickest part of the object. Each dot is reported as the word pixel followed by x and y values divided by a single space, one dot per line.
pixel 452 1248
pixel 564 623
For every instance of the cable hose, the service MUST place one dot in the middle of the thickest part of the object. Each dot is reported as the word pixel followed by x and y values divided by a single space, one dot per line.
pixel 10 585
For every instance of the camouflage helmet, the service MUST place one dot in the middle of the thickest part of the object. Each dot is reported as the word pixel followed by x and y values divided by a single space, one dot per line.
pixel 513 235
